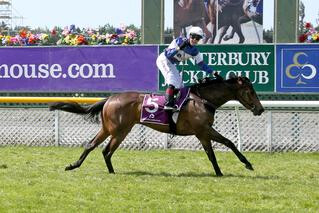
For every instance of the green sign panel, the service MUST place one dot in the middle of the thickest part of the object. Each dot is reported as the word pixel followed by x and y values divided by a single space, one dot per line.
pixel 253 61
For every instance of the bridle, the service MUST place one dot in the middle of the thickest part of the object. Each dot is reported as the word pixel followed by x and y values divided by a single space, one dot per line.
pixel 250 106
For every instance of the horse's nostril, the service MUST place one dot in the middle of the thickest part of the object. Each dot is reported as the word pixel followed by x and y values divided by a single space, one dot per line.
pixel 261 111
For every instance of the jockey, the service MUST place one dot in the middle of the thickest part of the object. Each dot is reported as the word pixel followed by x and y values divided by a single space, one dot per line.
pixel 253 8
pixel 180 49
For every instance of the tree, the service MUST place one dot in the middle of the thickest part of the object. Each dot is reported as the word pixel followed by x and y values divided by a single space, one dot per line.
pixel 4 28
pixel 168 35
pixel 268 35
pixel 317 20
pixel 301 17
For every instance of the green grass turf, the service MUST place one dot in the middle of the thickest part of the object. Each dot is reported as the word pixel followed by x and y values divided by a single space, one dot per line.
pixel 32 179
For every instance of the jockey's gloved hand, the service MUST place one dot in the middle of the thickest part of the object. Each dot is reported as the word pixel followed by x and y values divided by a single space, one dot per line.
pixel 184 44
pixel 218 77
pixel 204 80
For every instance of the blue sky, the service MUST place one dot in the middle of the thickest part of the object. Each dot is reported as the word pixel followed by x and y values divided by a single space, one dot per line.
pixel 311 10
pixel 94 13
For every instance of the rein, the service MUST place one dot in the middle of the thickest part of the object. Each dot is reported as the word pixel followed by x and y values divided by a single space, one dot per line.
pixel 204 101
pixel 195 89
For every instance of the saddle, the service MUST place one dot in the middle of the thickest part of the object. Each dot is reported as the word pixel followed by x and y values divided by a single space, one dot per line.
pixel 153 108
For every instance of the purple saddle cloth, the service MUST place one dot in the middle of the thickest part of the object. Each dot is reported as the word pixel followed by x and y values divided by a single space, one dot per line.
pixel 153 107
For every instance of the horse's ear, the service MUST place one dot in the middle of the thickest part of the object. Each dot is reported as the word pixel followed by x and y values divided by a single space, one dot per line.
pixel 232 75
pixel 240 80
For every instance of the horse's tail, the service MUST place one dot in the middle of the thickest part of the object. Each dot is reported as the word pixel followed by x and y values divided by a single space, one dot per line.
pixel 92 111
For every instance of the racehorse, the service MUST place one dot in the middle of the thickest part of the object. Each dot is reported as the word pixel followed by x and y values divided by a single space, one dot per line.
pixel 233 13
pixel 120 112
pixel 194 14
pixel 229 14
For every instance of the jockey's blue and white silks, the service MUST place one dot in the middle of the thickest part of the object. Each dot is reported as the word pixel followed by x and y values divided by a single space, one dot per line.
pixel 175 55
pixel 179 50
pixel 253 7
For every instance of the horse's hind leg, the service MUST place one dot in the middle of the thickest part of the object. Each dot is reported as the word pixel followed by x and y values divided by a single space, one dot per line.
pixel 97 140
pixel 113 144
pixel 237 29
pixel 221 139
pixel 222 33
pixel 229 36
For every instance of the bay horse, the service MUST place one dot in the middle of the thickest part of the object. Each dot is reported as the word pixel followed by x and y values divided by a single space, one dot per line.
pixel 232 13
pixel 190 13
pixel 120 112
pixel 229 14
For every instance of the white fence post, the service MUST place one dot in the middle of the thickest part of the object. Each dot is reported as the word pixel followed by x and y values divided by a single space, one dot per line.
pixel 166 141
pixel 56 128
pixel 239 130
pixel 269 131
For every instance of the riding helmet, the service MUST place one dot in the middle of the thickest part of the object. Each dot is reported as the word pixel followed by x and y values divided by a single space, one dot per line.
pixel 196 31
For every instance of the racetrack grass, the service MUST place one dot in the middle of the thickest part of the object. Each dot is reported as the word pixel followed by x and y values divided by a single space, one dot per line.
pixel 32 179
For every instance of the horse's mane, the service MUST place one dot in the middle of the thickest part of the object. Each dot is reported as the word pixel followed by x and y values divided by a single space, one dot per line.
pixel 208 81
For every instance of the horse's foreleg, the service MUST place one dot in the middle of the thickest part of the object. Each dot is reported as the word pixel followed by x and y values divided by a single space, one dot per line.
pixel 211 156
pixel 208 34
pixel 97 140
pixel 214 30
pixel 221 139
pixel 206 142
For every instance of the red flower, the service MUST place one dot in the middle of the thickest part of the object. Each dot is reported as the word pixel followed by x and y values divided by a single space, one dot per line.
pixel 308 25
pixel 32 39
pixel 81 40
pixel 302 38
pixel 53 32
pixel 23 33
pixel 114 36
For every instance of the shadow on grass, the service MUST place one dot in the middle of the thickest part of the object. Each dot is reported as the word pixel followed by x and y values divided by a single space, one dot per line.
pixel 166 174
pixel 253 177
pixel 193 174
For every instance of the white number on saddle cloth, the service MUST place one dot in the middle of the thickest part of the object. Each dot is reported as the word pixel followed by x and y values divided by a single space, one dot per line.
pixel 154 106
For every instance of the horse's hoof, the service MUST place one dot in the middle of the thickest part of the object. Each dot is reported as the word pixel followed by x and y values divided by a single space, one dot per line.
pixel 226 38
pixel 219 175
pixel 209 41
pixel 250 167
pixel 70 167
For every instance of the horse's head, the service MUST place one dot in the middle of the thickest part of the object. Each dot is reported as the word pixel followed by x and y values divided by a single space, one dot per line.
pixel 246 95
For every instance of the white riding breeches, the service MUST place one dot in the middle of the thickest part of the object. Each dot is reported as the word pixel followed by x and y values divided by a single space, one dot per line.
pixel 169 71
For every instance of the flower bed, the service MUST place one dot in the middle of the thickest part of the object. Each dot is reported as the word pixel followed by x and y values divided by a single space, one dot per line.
pixel 310 34
pixel 71 36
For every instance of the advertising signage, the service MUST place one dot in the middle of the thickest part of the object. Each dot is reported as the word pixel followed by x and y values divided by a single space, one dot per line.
pixel 253 61
pixel 78 69
pixel 297 68
pixel 212 15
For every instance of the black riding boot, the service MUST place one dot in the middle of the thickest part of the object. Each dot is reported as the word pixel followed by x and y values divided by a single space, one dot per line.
pixel 169 97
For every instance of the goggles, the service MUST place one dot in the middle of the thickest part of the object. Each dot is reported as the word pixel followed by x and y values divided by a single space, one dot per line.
pixel 196 37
